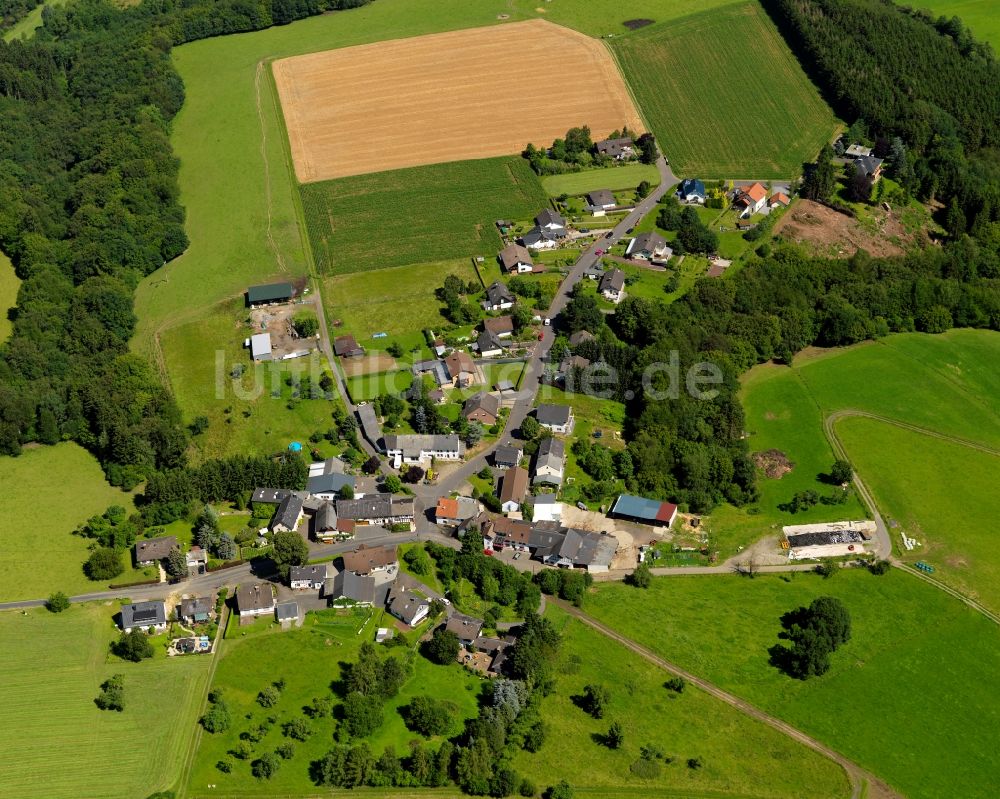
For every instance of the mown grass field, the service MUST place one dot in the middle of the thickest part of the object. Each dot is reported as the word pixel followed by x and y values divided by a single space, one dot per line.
pixel 199 357
pixel 742 757
pixel 980 16
pixel 9 285
pixel 58 745
pixel 37 546
pixel 613 178
pixel 309 659
pixel 944 383
pixel 910 697
pixel 940 493
pixel 724 95
pixel 417 215
pixel 604 17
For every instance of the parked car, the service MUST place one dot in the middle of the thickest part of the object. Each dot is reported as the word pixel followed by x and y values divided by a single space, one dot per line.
pixel 517 555
pixel 630 230
pixel 581 506
pixel 599 252
pixel 546 321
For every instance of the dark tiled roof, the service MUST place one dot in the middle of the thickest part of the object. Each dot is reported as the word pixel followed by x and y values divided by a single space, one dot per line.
pixel 553 414
pixel 154 548
pixel 364 560
pixel 143 614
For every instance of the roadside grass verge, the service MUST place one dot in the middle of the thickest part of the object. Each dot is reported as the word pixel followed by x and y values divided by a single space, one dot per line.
pixel 37 546
pixel 724 95
pixel 899 695
pixel 742 757
pixel 417 215
pixel 59 748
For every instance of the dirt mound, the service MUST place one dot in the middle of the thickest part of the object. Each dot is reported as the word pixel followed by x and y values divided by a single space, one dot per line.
pixel 773 463
pixel 635 24
pixel 830 233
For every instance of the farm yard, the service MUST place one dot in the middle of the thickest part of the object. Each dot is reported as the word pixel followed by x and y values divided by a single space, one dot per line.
pixel 37 547
pixel 899 694
pixel 742 757
pixel 103 753
pixel 724 95
pixel 417 215
pixel 342 107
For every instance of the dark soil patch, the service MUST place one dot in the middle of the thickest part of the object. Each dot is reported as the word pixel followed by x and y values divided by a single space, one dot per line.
pixel 773 463
pixel 635 24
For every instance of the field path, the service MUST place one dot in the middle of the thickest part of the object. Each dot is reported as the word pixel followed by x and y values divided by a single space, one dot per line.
pixel 860 778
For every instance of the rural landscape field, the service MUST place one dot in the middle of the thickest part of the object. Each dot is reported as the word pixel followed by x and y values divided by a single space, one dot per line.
pixel 417 399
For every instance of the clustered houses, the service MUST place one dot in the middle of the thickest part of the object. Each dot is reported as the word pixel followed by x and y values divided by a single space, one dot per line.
pixel 549 230
pixel 420 449
pixel 552 544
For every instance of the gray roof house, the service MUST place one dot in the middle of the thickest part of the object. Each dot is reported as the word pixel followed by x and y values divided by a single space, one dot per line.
pixel 618 149
pixel 407 606
pixel 612 285
pixel 151 550
pixel 592 551
pixel 325 522
pixel 328 486
pixel 370 426
pixel 287 515
pixel 545 539
pixel 602 200
pixel 489 345
pixel 498 297
pixel 254 599
pixel 557 418
pixel 550 462
pixel 347 585
pixel 376 509
pixel 143 615
pixel 506 457
pixel 260 347
pixel 419 448
pixel 550 220
pixel 305 577
pixel 648 247
pixel 467 628
pixel 196 609
pixel 539 238
pixel 286 613
pixel 269 496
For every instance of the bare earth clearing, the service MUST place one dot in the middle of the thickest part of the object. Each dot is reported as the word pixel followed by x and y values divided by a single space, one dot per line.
pixel 447 97
pixel 833 234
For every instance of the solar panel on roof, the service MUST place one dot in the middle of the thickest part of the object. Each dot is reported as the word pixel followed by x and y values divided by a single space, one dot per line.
pixel 146 614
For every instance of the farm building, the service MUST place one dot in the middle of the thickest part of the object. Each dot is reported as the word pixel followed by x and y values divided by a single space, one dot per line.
pixel 643 510
pixel 378 509
pixel 347 347
pixel 270 294
pixel 370 426
pixel 260 347
pixel 827 539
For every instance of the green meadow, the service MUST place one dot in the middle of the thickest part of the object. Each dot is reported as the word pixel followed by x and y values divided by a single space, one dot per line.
pixel 911 696
pixel 606 17
pixel 37 546
pixel 724 95
pixel 416 215
pixel 58 745
pixel 613 178
pixel 311 660
pixel 980 16
pixel 31 22
pixel 742 757
pixel 9 285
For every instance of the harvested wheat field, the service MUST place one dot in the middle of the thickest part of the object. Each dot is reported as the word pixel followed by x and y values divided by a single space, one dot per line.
pixel 451 96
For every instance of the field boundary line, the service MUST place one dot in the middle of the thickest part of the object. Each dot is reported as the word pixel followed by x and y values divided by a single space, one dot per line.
pixel 856 775
pixel 848 413
pixel 267 166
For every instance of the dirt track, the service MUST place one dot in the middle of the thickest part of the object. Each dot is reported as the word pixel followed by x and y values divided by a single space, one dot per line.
pixel 447 97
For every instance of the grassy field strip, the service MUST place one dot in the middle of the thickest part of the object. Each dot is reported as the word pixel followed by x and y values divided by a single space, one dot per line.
pixel 899 695
pixel 980 16
pixel 38 549
pixel 55 711
pixel 605 17
pixel 724 95
pixel 613 178
pixel 9 286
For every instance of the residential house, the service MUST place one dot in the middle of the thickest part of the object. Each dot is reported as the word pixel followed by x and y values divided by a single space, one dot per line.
pixel 778 200
pixel 750 200
pixel 550 462
pixel 379 509
pixel 489 346
pixel 612 286
pixel 301 578
pixel 594 272
pixel 254 599
pixel 285 613
pixel 453 511
pixel 461 369
pixel 557 418
pixel 260 347
pixel 370 427
pixel 328 486
pixel 439 347
pixel 503 532
pixel 381 562
pixel 407 606
pixel 197 560
pixel 507 457
pixel 648 247
pixel 499 326
pixel 870 167
pixel 546 509
pixel 436 369
pixel 153 550
pixel 347 587
pixel 483 408
pixel 545 540
pixel 600 202
pixel 347 347
pixel 420 449
pixel 465 628
pixel 144 616
pixel 498 297
pixel 270 294
pixel 620 149
pixel 287 515
pixel 513 487
pixel 196 610
pixel 550 220
pixel 692 190
pixel 857 151
pixel 579 337
pixel 540 239
pixel 643 510
pixel 268 496
pixel 515 258
pixel 325 527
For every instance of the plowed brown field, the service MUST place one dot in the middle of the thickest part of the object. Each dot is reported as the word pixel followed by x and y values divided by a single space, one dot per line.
pixel 447 97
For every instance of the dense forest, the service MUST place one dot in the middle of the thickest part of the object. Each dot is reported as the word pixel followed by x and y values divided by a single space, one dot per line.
pixel 88 206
